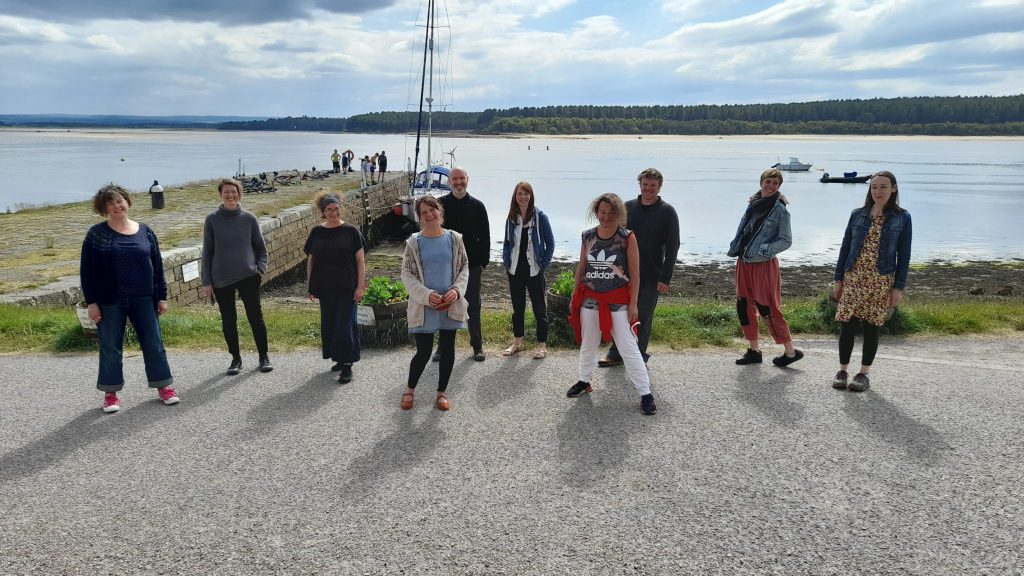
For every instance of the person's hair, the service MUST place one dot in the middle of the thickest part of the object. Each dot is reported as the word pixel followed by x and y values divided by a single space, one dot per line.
pixel 651 174
pixel 320 198
pixel 229 181
pixel 614 201
pixel 771 173
pixel 432 202
pixel 513 210
pixel 893 205
pixel 108 194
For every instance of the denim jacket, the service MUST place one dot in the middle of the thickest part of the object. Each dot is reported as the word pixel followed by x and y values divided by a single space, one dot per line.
pixel 893 247
pixel 773 237
pixel 541 238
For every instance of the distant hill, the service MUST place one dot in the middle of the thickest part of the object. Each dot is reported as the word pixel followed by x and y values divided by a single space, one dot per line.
pixel 118 121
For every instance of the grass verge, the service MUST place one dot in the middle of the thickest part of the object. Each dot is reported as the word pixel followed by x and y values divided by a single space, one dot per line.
pixel 677 326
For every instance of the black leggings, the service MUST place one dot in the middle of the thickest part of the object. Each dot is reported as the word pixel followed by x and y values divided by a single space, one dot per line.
pixel 846 336
pixel 424 346
pixel 249 291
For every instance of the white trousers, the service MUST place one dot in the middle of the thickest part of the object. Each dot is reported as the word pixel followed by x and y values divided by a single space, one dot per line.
pixel 625 342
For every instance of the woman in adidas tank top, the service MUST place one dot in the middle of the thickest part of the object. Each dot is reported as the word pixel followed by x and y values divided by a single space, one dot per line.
pixel 604 304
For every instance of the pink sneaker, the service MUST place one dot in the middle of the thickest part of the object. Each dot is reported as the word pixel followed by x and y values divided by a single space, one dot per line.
pixel 111 403
pixel 167 395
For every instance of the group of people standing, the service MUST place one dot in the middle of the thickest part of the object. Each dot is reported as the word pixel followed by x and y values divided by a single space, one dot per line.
pixel 626 262
pixel 369 166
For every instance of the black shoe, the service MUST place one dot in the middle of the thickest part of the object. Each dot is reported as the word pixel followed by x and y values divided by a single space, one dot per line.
pixel 265 365
pixel 647 404
pixel 783 361
pixel 436 357
pixel 478 355
pixel 840 381
pixel 608 361
pixel 236 366
pixel 578 389
pixel 750 357
pixel 860 383
pixel 336 367
pixel 346 374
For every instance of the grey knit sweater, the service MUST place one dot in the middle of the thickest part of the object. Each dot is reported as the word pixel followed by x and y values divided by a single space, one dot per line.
pixel 233 247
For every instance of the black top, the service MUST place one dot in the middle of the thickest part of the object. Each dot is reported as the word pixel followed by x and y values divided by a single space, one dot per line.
pixel 468 217
pixel 334 258
pixel 657 237
pixel 115 264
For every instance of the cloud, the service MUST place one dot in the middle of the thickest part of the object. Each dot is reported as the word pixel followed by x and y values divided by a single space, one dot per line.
pixel 224 12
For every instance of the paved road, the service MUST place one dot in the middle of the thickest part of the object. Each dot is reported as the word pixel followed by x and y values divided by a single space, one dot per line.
pixel 753 470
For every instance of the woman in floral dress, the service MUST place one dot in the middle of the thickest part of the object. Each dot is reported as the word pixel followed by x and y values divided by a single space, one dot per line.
pixel 870 274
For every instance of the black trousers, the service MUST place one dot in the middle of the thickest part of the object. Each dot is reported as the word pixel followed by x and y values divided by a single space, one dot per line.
pixel 846 336
pixel 518 284
pixel 424 346
pixel 476 339
pixel 249 291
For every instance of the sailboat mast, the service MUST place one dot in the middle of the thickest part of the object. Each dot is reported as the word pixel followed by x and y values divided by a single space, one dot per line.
pixel 430 90
pixel 423 82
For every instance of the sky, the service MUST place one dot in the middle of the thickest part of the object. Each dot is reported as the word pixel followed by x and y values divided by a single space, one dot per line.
pixel 338 58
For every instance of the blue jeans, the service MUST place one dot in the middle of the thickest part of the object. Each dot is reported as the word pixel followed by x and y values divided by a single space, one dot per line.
pixel 141 311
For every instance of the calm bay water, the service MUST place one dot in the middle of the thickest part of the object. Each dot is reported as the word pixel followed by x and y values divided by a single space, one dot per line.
pixel 966 195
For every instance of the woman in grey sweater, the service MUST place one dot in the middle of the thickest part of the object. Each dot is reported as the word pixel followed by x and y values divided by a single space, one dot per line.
pixel 234 260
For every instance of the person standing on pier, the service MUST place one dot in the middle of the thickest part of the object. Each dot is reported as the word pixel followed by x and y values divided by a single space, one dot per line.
pixel 336 161
pixel 468 216
pixel 382 165
pixel 122 276
pixel 656 226
pixel 234 260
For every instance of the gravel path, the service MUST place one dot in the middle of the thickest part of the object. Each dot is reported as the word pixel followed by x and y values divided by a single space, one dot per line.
pixel 753 470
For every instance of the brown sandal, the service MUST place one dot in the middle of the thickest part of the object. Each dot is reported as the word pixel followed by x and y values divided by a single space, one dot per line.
pixel 407 401
pixel 540 354
pixel 442 402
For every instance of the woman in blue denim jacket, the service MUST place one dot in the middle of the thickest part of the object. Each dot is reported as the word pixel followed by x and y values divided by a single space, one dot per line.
pixel 870 274
pixel 763 232
pixel 526 253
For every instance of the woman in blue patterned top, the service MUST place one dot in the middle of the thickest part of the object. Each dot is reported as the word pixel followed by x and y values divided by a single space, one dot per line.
pixel 122 277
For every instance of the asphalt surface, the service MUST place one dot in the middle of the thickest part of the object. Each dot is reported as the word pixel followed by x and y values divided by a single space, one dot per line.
pixel 744 470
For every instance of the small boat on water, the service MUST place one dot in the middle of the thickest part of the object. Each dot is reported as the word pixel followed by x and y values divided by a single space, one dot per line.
pixel 794 165
pixel 846 178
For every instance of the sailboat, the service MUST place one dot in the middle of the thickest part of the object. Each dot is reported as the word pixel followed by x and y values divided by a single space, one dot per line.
pixel 432 177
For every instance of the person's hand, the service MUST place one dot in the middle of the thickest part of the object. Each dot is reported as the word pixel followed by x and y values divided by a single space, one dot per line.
pixel 161 307
pixel 451 296
pixel 634 314
pixel 311 298
pixel 94 313
pixel 662 288
pixel 208 292
pixel 895 296
pixel 837 290
pixel 360 290
pixel 434 299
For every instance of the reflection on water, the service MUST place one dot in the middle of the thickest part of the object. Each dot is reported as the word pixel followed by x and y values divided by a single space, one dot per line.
pixel 965 195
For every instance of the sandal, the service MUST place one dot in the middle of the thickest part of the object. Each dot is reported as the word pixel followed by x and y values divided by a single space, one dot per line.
pixel 442 402
pixel 512 350
pixel 540 354
pixel 407 401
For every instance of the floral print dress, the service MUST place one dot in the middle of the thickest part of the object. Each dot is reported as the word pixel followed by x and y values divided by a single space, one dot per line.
pixel 865 291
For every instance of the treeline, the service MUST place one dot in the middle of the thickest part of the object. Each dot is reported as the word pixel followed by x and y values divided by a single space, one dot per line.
pixel 940 116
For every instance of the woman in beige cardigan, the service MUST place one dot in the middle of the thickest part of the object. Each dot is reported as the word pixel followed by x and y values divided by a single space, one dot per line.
pixel 435 271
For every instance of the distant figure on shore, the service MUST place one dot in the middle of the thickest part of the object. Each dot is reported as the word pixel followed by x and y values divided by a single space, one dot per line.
pixel 435 271
pixel 604 303
pixel 656 226
pixel 336 161
pixel 346 161
pixel 364 171
pixel 122 276
pixel 468 216
pixel 382 165
pixel 373 168
pixel 526 252
pixel 234 260
pixel 336 275
pixel 871 273
pixel 763 232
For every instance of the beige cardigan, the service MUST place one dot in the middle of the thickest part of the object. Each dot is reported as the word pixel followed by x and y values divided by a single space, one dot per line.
pixel 419 294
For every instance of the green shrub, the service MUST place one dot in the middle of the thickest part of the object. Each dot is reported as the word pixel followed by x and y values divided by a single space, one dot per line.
pixel 564 283
pixel 383 290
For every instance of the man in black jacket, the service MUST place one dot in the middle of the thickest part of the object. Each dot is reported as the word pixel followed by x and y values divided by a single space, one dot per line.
pixel 656 226
pixel 468 216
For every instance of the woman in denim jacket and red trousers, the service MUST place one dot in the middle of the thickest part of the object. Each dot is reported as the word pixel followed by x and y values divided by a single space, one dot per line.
pixel 870 274
pixel 763 233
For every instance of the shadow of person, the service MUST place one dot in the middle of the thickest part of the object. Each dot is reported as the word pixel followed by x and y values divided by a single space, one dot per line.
pixel 885 420
pixel 291 405
pixel 514 377
pixel 593 439
pixel 769 393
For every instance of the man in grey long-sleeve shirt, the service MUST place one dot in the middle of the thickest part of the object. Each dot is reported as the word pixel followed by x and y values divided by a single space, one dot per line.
pixel 656 226
pixel 235 259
